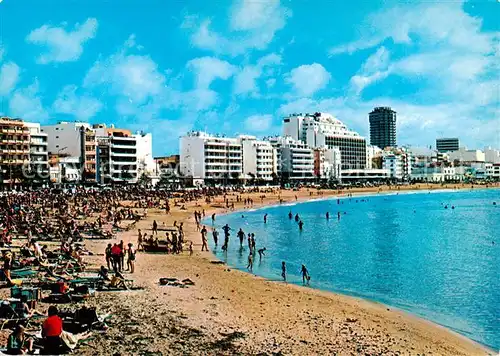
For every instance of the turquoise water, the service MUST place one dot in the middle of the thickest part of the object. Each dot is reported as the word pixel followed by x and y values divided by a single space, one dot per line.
pixel 405 250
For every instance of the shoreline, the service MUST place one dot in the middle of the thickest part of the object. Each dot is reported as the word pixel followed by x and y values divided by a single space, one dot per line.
pixel 271 316
pixel 303 200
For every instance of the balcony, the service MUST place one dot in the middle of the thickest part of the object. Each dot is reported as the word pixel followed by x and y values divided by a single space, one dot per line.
pixel 118 156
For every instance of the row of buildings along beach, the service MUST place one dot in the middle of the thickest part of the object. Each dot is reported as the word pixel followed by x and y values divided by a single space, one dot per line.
pixel 314 147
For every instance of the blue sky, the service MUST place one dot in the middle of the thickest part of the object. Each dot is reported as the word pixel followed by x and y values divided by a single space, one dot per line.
pixel 239 66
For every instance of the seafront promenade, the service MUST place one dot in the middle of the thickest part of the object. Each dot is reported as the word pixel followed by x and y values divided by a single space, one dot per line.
pixel 228 311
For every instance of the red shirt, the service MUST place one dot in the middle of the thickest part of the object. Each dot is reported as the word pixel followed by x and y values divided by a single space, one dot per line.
pixel 52 326
pixel 116 250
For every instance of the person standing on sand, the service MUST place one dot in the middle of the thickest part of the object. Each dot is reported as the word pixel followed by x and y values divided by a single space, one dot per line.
pixel 115 257
pixel 155 227
pixel 139 241
pixel 191 248
pixel 250 262
pixel 241 236
pixel 283 271
pixel 204 239
pixel 131 258
pixel 107 253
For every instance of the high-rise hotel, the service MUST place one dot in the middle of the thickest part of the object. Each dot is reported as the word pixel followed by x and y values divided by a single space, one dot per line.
pixel 320 130
pixel 383 127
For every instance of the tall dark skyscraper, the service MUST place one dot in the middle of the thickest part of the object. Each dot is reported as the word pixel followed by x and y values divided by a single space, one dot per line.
pixel 383 127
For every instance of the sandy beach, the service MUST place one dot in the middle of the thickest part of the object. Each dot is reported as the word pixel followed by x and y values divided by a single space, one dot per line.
pixel 231 312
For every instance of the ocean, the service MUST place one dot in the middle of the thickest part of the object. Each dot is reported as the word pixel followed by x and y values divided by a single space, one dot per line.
pixel 433 254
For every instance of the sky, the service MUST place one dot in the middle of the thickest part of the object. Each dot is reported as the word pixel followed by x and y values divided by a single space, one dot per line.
pixel 238 67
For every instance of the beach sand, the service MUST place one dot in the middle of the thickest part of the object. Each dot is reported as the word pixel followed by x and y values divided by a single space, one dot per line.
pixel 231 312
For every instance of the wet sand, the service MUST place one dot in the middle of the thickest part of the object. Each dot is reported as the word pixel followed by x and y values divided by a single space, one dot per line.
pixel 231 312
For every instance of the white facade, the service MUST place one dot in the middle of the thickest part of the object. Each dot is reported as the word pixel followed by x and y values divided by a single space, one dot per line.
pixel 65 137
pixel 203 156
pixel 321 129
pixel 364 175
pixel 371 153
pixel 397 163
pixel 259 158
pixel 39 158
pixel 491 155
pixel 117 154
pixel 465 155
pixel 145 161
pixel 66 170
pixel 295 158
pixel 440 174
pixel 327 163
pixel 495 171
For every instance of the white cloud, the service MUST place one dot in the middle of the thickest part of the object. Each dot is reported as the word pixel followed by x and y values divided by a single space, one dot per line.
pixel 259 123
pixel 270 82
pixel 429 23
pixel 139 86
pixel 375 68
pixel 307 79
pixel 447 58
pixel 27 104
pixel 62 45
pixel 82 107
pixel 9 76
pixel 208 69
pixel 246 79
pixel 253 25
pixel 205 70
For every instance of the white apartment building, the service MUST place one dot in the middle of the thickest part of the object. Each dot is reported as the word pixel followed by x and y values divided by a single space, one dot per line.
pixel 321 129
pixel 145 161
pixel 495 171
pixel 327 163
pixel 371 153
pixel 397 163
pixel 491 155
pixel 39 159
pixel 117 156
pixel 208 157
pixel 260 159
pixel 74 139
pixel 295 158
pixel 465 155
